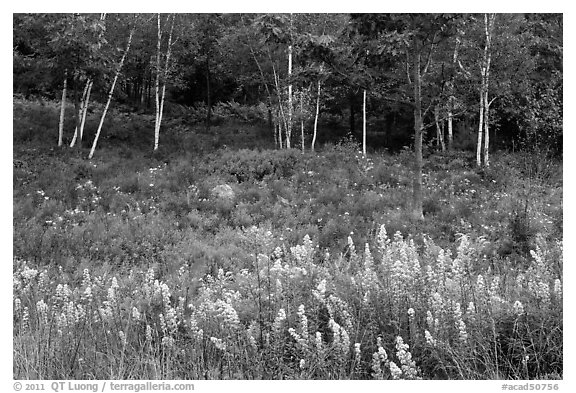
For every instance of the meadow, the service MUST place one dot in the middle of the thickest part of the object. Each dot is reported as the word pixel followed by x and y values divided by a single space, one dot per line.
pixel 133 266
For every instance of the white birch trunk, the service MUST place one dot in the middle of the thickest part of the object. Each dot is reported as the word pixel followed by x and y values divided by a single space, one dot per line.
pixel 489 25
pixel 290 109
pixel 364 125
pixel 316 117
pixel 80 112
pixel 302 119
pixel 168 53
pixel 62 110
pixel 280 106
pixel 450 117
pixel 110 94
pixel 85 110
pixel 439 130
pixel 157 87
pixel 480 127
pixel 486 131
pixel 276 137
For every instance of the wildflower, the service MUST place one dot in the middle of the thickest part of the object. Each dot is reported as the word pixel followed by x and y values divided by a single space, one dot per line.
pixel 197 333
pixel 148 333
pixel 277 325
pixel 135 313
pixel 303 322
pixel 302 364
pixel 168 342
pixel 25 319
pixel 42 309
pixel 518 308
pixel 429 319
pixel 357 351
pixel 405 357
pixel 395 371
pixel 86 281
pixel 462 334
pixel 558 288
pixel 122 337
pixel 411 313
pixel 318 342
pixel 320 290
pixel 228 313
pixel 429 339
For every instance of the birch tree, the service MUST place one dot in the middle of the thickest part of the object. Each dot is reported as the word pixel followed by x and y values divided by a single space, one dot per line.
pixel 83 109
pixel 483 122
pixel 315 130
pixel 364 124
pixel 62 109
pixel 161 96
pixel 111 92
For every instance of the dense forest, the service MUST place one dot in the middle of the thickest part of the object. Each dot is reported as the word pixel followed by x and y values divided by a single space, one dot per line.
pixel 287 196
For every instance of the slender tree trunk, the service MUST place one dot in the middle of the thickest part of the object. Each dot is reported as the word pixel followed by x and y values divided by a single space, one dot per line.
pixel 302 119
pixel 489 25
pixel 480 126
pixel 452 99
pixel 290 109
pixel 279 95
pixel 486 131
pixel 485 74
pixel 110 94
pixel 157 84
pixel 208 103
pixel 85 110
pixel 450 119
pixel 80 113
pixel 270 122
pixel 62 110
pixel 316 117
pixel 165 77
pixel 439 130
pixel 417 198
pixel 364 124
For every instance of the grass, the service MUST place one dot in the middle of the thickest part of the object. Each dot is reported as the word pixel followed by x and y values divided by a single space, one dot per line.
pixel 129 267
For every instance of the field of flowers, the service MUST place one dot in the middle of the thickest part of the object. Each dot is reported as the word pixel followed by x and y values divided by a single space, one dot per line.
pixel 129 266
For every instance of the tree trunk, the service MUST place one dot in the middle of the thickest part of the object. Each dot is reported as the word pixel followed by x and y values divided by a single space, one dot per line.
pixel 480 126
pixel 290 109
pixel 450 117
pixel 316 117
pixel 489 25
pixel 279 95
pixel 302 119
pixel 62 110
pixel 157 85
pixel 364 124
pixel 161 110
pixel 486 131
pixel 80 113
pixel 485 74
pixel 276 144
pixel 417 198
pixel 110 94
pixel 439 130
pixel 85 111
